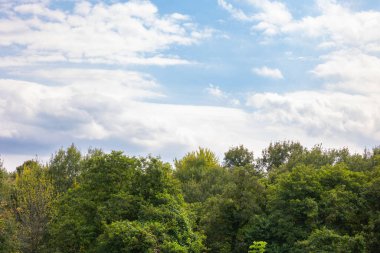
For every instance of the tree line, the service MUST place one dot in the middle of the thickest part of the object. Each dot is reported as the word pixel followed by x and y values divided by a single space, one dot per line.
pixel 288 199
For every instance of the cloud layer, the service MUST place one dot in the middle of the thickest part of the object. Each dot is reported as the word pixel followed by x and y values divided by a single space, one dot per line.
pixel 334 26
pixel 268 72
pixel 66 75
pixel 346 106
pixel 122 33
pixel 80 75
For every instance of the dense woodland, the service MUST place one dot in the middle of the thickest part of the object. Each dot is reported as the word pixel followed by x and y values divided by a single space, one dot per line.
pixel 287 199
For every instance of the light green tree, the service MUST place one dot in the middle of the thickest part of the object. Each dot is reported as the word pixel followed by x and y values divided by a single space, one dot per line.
pixel 257 247
pixel 33 196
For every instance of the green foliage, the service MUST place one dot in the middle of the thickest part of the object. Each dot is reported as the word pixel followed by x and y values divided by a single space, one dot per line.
pixel 32 200
pixel 238 157
pixel 293 206
pixel 278 154
pixel 325 240
pixel 257 247
pixel 128 236
pixel 123 204
pixel 200 158
pixel 64 168
pixel 200 175
pixel 8 233
pixel 225 216
pixel 228 215
pixel 296 199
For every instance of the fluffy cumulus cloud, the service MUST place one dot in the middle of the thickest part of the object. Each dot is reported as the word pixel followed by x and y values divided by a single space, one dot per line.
pixel 67 76
pixel 321 114
pixel 348 41
pixel 215 91
pixel 84 109
pixel 270 16
pixel 334 26
pixel 122 33
pixel 79 108
pixel 268 72
pixel 219 94
pixel 352 71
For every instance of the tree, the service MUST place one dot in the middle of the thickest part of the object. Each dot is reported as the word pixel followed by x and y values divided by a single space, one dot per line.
pixel 325 240
pixel 8 229
pixel 372 196
pixel 32 205
pixel 123 204
pixel 64 168
pixel 342 206
pixel 293 207
pixel 297 199
pixel 257 247
pixel 200 175
pixel 278 154
pixel 227 217
pixel 238 157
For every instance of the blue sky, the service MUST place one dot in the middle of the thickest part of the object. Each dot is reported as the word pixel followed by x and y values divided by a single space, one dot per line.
pixel 165 77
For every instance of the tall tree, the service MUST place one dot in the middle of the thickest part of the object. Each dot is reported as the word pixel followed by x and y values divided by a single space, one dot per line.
pixel 64 168
pixel 279 154
pixel 227 218
pixel 8 229
pixel 200 175
pixel 32 205
pixel 238 157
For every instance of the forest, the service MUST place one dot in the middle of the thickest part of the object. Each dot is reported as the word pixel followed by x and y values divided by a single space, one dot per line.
pixel 289 198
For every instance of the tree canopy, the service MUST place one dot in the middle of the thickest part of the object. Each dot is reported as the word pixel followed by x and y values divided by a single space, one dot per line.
pixel 289 199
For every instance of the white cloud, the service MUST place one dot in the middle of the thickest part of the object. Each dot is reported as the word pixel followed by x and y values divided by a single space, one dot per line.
pixel 335 25
pixel 72 106
pixel 215 91
pixel 85 104
pixel 346 106
pixel 122 33
pixel 268 72
pixel 100 105
pixel 221 95
pixel 338 26
pixel 78 112
pixel 271 15
pixel 236 13
pixel 40 10
pixel 322 114
pixel 66 80
pixel 351 71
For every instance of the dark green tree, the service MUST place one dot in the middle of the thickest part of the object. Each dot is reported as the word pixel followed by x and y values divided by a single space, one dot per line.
pixel 123 204
pixel 238 157
pixel 227 218
pixel 325 240
pixel 64 168
pixel 293 208
pixel 278 154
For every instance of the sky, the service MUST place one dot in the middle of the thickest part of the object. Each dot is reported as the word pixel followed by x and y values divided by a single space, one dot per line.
pixel 164 77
